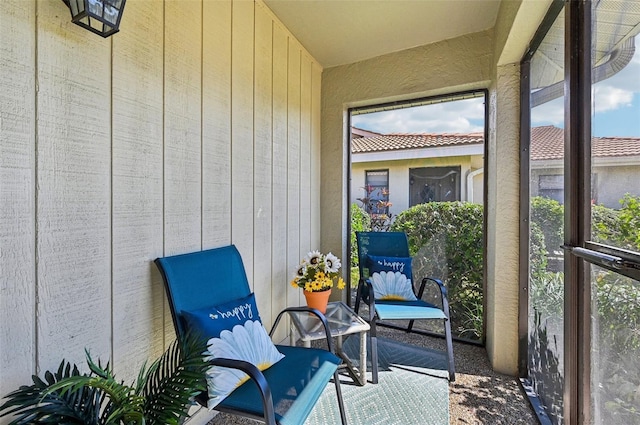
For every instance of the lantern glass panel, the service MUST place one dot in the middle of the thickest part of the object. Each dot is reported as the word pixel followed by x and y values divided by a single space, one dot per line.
pixel 111 14
pixel 96 7
pixel 76 6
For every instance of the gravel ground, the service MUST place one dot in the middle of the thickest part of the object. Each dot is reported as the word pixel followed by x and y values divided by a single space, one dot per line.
pixel 478 396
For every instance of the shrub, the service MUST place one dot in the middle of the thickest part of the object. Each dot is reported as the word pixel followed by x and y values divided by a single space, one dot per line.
pixel 446 240
pixel 618 305
pixel 161 395
pixel 360 222
pixel 629 219
pixel 616 227
pixel 546 295
pixel 618 345
pixel 537 251
pixel 604 224
pixel 615 302
pixel 548 214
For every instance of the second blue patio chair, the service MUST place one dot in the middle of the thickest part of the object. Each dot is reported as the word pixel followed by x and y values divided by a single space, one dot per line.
pixel 208 292
pixel 387 286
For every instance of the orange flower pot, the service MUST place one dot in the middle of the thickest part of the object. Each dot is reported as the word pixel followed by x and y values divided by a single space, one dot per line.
pixel 318 300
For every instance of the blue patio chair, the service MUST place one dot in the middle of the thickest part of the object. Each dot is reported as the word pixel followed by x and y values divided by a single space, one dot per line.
pixel 212 284
pixel 385 271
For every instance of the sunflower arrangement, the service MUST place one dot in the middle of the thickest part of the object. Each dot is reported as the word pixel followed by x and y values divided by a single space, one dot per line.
pixel 318 272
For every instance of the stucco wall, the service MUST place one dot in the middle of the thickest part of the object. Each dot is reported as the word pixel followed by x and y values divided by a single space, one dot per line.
pixel 197 125
pixel 468 62
pixel 613 182
pixel 462 63
pixel 453 65
pixel 503 199
pixel 610 183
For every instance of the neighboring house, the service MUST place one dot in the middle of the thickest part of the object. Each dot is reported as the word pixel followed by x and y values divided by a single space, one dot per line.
pixel 410 169
pixel 616 166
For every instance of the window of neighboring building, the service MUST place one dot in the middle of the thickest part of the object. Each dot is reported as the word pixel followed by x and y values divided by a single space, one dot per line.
pixel 377 191
pixel 433 184
pixel 552 187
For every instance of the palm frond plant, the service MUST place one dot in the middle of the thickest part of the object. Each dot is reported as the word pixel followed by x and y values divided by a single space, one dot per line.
pixel 161 394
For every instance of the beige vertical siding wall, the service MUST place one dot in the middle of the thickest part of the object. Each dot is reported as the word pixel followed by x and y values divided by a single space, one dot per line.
pixel 198 125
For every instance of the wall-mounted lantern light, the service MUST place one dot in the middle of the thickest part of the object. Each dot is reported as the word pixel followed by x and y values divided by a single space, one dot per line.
pixel 99 16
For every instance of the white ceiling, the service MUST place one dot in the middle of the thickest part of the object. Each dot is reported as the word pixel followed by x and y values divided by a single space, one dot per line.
pixel 338 32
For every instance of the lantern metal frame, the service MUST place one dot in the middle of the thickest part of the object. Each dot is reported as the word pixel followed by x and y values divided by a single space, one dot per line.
pixel 101 17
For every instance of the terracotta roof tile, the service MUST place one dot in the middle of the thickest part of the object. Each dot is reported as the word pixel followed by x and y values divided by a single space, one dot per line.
pixel 616 146
pixel 389 142
pixel 547 142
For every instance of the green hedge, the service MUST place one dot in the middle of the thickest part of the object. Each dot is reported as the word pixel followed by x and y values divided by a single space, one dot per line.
pixel 360 222
pixel 549 216
pixel 630 221
pixel 620 227
pixel 616 300
pixel 446 241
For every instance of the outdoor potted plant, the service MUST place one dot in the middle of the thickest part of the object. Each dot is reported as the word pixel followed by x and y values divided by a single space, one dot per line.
pixel 316 275
pixel 161 394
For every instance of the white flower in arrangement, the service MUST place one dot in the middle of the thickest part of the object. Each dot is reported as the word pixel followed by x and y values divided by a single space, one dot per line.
pixel 318 272
pixel 312 258
pixel 331 263
pixel 392 286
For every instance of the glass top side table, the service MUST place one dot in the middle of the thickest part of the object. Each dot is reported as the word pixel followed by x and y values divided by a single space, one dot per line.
pixel 342 321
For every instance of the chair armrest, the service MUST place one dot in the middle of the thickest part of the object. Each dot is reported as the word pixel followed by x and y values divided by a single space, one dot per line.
pixel 443 292
pixel 320 316
pixel 441 287
pixel 256 376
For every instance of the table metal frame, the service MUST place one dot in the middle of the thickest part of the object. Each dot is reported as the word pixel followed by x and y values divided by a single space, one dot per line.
pixel 342 321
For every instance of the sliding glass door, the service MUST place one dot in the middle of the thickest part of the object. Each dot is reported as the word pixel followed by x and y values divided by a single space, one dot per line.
pixel 545 365
pixel 582 138
pixel 614 248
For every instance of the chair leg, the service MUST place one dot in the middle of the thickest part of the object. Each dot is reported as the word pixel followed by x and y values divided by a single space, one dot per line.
pixel 373 345
pixel 451 365
pixel 343 414
pixel 410 327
